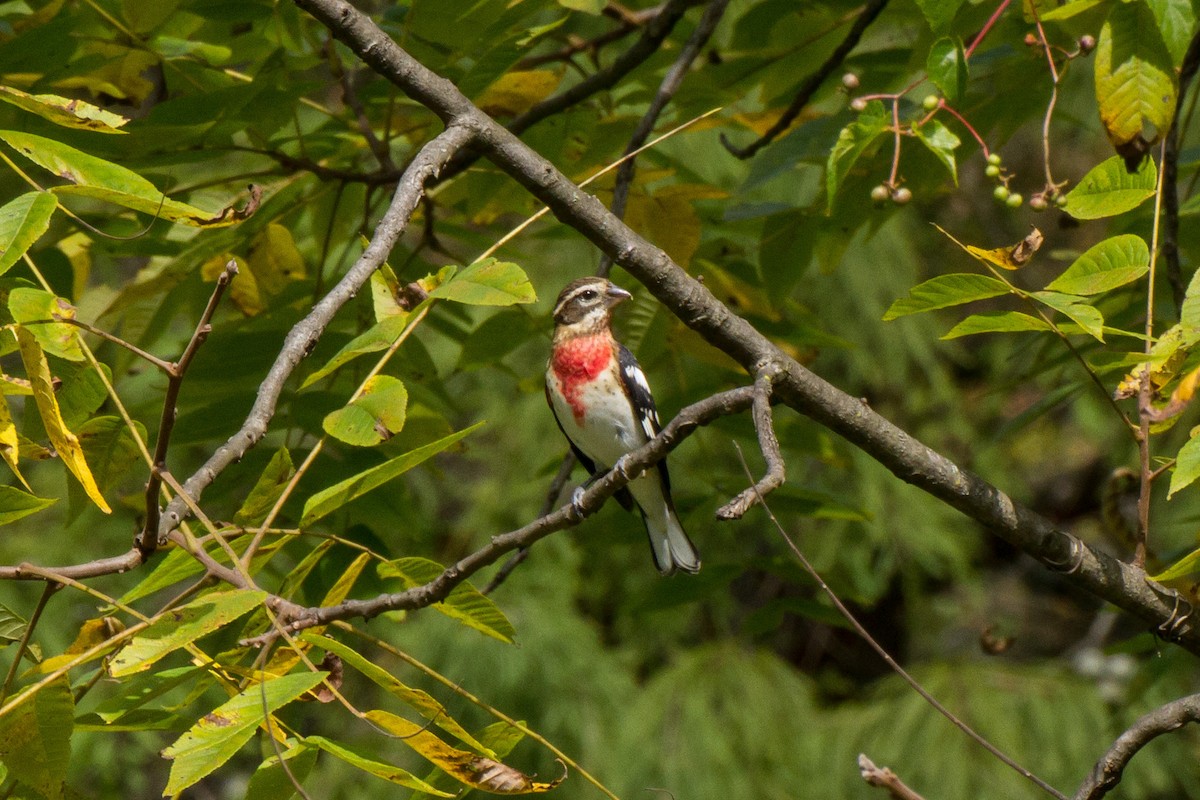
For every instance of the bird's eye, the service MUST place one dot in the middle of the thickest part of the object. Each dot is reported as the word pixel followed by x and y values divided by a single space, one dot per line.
pixel 588 294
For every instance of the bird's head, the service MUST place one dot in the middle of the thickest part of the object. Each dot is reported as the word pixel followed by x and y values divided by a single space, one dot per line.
pixel 585 305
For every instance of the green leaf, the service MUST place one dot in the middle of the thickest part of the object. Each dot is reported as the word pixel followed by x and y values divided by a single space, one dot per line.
pixel 103 180
pixel 1176 20
pixel 939 13
pixel 945 291
pixel 272 782
pixel 1189 318
pixel 36 309
pixel 376 338
pixel 1135 76
pixel 1188 565
pixel 388 772
pixel 221 733
pixel 1187 466
pixel 1087 317
pixel 488 283
pixel 15 504
pixel 182 626
pixel 997 322
pixel 586 6
pixel 464 603
pixel 12 626
pixel 1111 263
pixel 947 68
pixel 68 113
pixel 852 142
pixel 267 489
pixel 1070 9
pixel 35 739
pixel 1108 189
pixel 942 143
pixel 372 417
pixel 422 702
pixel 331 499
pixel 110 448
pixel 22 222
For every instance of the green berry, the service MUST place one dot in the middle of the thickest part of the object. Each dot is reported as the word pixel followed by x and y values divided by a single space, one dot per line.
pixel 994 159
pixel 880 194
pixel 1014 200
pixel 930 102
pixel 1061 201
pixel 902 196
pixel 1000 193
pixel 992 171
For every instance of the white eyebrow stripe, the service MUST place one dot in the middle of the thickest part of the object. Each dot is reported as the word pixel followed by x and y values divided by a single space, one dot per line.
pixel 566 301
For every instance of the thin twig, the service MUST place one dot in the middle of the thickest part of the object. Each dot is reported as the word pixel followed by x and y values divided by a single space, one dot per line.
pixel 22 646
pixel 885 778
pixel 882 653
pixel 150 537
pixel 813 82
pixel 162 364
pixel 1107 772
pixel 768 444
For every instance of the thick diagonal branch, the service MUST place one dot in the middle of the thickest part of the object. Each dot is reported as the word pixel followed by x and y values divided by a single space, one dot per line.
pixel 1107 772
pixel 907 458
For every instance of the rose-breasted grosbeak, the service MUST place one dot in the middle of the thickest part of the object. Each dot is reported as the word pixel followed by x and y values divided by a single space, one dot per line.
pixel 602 403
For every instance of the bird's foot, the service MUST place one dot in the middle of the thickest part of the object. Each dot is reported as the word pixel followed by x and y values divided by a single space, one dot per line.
pixel 621 467
pixel 577 502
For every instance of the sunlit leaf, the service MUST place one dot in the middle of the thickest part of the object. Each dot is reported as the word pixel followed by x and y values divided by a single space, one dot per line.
pixel 396 775
pixel 939 13
pixel 947 68
pixel 36 310
pixel 517 91
pixel 421 702
pixel 945 291
pixel 1188 565
pixel 15 504
pixel 10 442
pixel 12 626
pixel 64 441
pixel 22 222
pixel 942 143
pixel 69 113
pixel 376 338
pixel 271 781
pixel 1135 79
pixel 223 731
pixel 1177 22
pixel 1109 189
pixel 475 771
pixel 374 416
pixel 997 322
pixel 94 177
pixel 329 500
pixel 852 142
pixel 1087 317
pixel 1106 266
pixel 181 626
pixel 464 603
pixel 1187 466
pixel 488 283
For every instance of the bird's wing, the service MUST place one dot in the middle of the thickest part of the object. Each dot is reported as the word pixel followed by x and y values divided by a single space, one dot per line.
pixel 638 390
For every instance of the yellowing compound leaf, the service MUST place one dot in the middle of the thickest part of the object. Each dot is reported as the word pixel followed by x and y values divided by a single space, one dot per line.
pixel 374 416
pixel 465 603
pixel 36 310
pixel 422 702
pixel 1013 257
pixel 220 733
pixel 478 772
pixel 517 92
pixel 487 283
pixel 94 177
pixel 274 259
pixel 10 445
pixel 65 442
pixel 65 112
pixel 182 626
pixel 396 775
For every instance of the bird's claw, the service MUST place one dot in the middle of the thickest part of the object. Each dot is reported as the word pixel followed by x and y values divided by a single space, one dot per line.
pixel 620 467
pixel 577 502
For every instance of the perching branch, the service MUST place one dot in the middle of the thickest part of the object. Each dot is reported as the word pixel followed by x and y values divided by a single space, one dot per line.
pixel 796 386
pixel 812 83
pixel 678 429
pixel 764 426
pixel 1107 772
pixel 885 778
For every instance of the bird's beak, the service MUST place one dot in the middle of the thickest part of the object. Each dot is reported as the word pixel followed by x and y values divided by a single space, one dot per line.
pixel 616 294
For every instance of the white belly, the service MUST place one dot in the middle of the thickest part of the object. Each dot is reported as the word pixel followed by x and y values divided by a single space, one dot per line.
pixel 609 430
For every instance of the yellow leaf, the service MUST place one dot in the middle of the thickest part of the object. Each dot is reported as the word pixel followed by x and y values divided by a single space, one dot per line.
pixel 517 92
pixel 1012 257
pixel 244 291
pixel 274 259
pixel 9 446
pixel 65 442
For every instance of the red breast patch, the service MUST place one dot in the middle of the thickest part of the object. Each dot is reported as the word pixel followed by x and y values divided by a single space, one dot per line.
pixel 578 362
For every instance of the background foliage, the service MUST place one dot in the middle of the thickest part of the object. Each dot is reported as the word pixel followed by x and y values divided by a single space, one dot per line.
pixel 740 682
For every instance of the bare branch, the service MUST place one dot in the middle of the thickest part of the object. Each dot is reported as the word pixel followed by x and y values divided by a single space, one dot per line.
pixel 148 540
pixel 813 82
pixel 885 778
pixel 1107 772
pixel 764 425
pixel 305 333
pixel 678 429
pixel 666 90
pixel 795 386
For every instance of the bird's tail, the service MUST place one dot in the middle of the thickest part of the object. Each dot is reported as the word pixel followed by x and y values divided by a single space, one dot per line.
pixel 672 548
